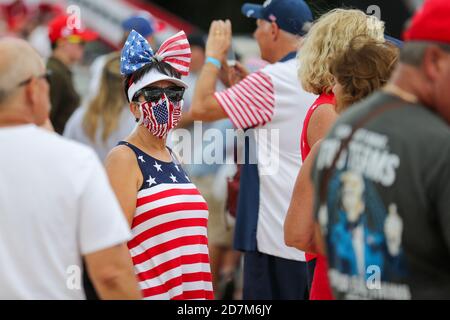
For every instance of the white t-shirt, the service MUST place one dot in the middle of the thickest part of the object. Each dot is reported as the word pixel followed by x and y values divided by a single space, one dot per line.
pixel 56 205
pixel 273 103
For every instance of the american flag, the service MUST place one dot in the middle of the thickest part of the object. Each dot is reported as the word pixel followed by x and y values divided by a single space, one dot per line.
pixel 161 113
pixel 169 248
pixel 159 116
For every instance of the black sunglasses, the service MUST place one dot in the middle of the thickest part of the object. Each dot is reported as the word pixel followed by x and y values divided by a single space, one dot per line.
pixel 46 76
pixel 153 94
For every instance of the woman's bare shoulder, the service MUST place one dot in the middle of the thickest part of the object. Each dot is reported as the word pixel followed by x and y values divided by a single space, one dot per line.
pixel 121 156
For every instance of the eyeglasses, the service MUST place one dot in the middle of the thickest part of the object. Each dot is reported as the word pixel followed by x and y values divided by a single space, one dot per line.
pixel 153 94
pixel 45 76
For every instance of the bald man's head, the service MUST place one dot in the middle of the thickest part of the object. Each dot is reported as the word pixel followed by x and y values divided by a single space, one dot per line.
pixel 19 62
pixel 24 92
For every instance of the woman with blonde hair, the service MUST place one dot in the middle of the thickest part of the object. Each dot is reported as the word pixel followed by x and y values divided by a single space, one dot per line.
pixel 328 36
pixel 362 68
pixel 105 120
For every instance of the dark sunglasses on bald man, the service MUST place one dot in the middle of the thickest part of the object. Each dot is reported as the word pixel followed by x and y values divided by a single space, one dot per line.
pixel 154 94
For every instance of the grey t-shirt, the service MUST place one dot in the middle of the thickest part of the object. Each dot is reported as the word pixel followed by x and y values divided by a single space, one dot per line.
pixel 386 221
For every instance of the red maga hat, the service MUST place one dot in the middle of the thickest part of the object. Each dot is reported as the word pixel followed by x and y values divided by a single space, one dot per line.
pixel 430 23
pixel 62 28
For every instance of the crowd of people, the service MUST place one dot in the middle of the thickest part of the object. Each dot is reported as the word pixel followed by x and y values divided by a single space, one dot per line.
pixel 349 199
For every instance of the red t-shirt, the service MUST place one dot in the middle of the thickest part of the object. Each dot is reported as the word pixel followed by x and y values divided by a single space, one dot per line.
pixel 320 288
pixel 322 99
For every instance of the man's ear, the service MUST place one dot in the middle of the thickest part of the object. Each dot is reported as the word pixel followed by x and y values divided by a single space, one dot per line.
pixel 33 101
pixel 32 94
pixel 432 62
pixel 275 31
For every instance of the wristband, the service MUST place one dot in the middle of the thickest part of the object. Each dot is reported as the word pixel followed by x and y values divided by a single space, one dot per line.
pixel 214 61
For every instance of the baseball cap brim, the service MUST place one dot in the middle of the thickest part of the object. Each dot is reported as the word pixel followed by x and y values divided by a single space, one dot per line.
pixel 151 77
pixel 251 10
pixel 88 35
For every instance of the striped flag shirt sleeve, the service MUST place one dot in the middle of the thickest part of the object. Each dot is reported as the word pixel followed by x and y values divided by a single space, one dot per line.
pixel 251 102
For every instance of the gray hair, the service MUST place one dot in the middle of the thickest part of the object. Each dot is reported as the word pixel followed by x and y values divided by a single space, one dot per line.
pixel 413 52
pixel 19 62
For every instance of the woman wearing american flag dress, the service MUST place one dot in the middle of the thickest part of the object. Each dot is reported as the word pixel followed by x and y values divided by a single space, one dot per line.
pixel 167 214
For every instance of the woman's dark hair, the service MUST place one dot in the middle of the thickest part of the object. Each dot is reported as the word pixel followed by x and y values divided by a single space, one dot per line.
pixel 161 66
pixel 364 67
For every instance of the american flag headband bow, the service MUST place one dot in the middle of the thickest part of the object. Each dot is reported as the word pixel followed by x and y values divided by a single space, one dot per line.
pixel 137 53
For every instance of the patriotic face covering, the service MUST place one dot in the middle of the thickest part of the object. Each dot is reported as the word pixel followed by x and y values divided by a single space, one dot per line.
pixel 161 110
pixel 160 117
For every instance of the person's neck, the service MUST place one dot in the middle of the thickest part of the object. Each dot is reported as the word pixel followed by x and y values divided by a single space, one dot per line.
pixel 282 48
pixel 407 79
pixel 10 119
pixel 281 53
pixel 61 56
pixel 154 146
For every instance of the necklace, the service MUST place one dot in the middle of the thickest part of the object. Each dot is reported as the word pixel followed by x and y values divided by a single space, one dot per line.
pixel 399 92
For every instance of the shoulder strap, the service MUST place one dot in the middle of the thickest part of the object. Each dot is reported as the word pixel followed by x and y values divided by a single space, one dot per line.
pixel 175 156
pixel 363 121
pixel 129 145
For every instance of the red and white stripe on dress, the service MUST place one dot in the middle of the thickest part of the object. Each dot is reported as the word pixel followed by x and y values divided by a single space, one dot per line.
pixel 169 247
pixel 249 103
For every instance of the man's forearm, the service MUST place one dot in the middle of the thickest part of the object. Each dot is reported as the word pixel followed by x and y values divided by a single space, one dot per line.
pixel 204 92
pixel 121 286
pixel 111 272
pixel 186 121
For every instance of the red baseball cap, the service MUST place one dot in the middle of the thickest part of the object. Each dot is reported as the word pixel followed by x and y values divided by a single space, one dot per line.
pixel 50 8
pixel 62 28
pixel 430 23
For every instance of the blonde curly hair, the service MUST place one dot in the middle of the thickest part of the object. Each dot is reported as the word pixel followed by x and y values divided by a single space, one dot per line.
pixel 329 35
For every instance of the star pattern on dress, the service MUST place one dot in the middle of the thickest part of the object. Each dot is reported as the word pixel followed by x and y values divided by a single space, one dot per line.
pixel 141 158
pixel 157 166
pixel 174 179
pixel 176 167
pixel 151 181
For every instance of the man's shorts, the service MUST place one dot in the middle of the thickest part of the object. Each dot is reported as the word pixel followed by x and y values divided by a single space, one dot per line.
pixel 268 277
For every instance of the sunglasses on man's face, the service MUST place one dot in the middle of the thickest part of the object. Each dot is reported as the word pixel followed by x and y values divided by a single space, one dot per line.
pixel 154 94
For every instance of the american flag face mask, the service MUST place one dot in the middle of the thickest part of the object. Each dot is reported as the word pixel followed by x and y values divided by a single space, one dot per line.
pixel 160 117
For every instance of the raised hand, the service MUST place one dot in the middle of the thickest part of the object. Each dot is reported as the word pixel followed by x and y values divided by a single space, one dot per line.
pixel 219 40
